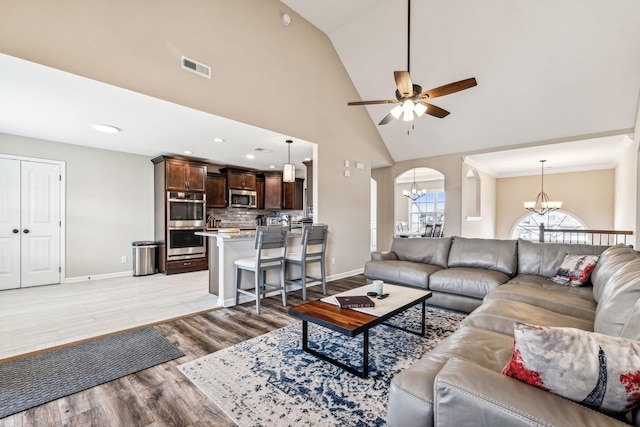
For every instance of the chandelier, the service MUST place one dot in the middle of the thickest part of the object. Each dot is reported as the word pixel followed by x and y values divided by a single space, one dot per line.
pixel 542 204
pixel 414 192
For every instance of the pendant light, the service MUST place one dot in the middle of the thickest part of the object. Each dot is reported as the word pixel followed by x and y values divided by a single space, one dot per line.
pixel 289 170
pixel 542 204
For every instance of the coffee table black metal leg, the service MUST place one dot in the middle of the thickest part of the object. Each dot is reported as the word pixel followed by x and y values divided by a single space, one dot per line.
pixel 365 350
pixel 423 317
pixel 305 335
pixel 365 368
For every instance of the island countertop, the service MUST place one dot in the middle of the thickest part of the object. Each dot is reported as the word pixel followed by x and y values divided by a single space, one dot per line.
pixel 242 234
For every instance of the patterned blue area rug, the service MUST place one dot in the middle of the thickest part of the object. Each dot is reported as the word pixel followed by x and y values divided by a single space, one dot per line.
pixel 270 381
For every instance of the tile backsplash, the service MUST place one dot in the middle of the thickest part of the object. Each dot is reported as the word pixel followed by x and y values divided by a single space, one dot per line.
pixel 246 218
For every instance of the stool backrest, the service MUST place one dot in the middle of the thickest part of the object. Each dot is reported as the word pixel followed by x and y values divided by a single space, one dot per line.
pixel 271 237
pixel 314 235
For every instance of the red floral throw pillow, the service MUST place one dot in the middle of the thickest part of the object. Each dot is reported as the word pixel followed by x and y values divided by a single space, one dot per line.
pixel 575 270
pixel 596 370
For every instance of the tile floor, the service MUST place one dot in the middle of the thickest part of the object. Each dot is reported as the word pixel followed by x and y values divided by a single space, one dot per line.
pixel 36 318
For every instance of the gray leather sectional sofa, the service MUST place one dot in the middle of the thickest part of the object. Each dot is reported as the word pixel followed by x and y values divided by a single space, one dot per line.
pixel 502 282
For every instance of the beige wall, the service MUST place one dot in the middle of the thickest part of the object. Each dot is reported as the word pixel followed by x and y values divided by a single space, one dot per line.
pixel 625 191
pixel 482 226
pixel 586 195
pixel 109 202
pixel 287 79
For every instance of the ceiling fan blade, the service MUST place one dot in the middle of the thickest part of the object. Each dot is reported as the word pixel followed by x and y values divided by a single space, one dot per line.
pixel 448 89
pixel 435 111
pixel 386 119
pixel 386 101
pixel 403 81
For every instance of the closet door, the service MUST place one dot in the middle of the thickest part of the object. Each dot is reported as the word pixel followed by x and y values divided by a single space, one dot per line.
pixel 40 223
pixel 10 232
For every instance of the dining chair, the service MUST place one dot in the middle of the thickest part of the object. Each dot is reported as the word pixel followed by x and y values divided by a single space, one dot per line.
pixel 267 238
pixel 428 231
pixel 314 247
pixel 437 230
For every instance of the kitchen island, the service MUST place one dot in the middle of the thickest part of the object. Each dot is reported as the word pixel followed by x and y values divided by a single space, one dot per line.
pixel 225 248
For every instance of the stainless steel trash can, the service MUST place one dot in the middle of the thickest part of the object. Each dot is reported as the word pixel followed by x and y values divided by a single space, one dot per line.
pixel 144 258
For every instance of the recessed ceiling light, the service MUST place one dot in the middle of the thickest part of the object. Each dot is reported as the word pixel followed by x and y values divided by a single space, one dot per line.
pixel 272 166
pixel 250 156
pixel 106 128
pixel 187 152
pixel 307 159
pixel 218 140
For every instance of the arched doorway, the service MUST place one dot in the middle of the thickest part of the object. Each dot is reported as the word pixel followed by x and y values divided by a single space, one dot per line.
pixel 419 203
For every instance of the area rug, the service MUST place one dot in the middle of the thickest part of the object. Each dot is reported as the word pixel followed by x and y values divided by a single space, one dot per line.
pixel 41 378
pixel 270 381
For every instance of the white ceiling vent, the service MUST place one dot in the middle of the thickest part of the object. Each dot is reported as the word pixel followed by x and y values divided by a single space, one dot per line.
pixel 196 67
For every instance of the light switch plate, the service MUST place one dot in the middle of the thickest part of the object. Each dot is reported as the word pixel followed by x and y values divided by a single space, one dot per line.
pixel 346 163
pixel 347 174
pixel 359 165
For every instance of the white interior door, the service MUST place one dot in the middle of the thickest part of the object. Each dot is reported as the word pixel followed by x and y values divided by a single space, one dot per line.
pixel 40 223
pixel 10 232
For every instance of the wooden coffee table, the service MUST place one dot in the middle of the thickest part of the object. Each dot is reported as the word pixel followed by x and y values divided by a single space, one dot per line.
pixel 356 321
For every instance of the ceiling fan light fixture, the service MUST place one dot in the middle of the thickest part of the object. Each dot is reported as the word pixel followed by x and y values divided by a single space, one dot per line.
pixel 408 116
pixel 408 106
pixel 396 111
pixel 420 109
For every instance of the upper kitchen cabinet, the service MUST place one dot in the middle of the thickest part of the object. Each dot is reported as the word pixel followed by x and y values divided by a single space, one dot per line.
pixel 216 190
pixel 241 180
pixel 182 174
pixel 293 195
pixel 273 190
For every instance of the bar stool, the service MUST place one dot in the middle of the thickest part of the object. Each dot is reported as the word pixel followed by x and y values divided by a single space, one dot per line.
pixel 273 237
pixel 312 237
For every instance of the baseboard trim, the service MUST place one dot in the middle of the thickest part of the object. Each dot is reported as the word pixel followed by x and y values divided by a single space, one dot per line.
pixel 97 277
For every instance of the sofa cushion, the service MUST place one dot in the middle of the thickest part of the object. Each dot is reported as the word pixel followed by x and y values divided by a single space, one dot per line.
pixel 411 391
pixel 490 254
pixel 618 298
pixel 427 251
pixel 501 314
pixel 631 328
pixel 608 263
pixel 596 370
pixel 575 270
pixel 543 259
pixel 473 282
pixel 408 273
pixel 542 293
pixel 545 285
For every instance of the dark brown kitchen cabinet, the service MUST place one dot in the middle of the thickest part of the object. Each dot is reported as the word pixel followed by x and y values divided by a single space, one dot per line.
pixel 260 192
pixel 185 175
pixel 216 190
pixel 241 180
pixel 273 191
pixel 293 195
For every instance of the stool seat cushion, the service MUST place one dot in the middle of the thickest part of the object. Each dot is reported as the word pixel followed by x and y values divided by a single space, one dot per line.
pixel 250 263
pixel 298 257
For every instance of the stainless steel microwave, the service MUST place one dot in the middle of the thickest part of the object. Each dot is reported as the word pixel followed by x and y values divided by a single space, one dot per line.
pixel 243 199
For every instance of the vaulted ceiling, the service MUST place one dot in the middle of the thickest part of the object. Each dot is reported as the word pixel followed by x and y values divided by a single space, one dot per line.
pixel 546 70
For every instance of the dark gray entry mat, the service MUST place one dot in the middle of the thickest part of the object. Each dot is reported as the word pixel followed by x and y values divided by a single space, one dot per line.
pixel 41 378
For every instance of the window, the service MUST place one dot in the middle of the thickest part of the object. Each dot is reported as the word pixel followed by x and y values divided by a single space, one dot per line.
pixel 528 228
pixel 427 209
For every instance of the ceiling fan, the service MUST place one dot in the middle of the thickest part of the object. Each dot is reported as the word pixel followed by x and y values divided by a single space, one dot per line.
pixel 410 97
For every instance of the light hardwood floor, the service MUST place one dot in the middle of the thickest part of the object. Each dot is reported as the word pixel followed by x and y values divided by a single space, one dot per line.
pixel 37 318
pixel 161 395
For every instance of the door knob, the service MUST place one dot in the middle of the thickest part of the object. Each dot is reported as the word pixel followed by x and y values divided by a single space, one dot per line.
pixel 15 231
pixel 25 231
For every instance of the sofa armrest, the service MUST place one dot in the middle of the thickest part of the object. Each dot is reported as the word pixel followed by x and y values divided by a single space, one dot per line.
pixel 383 256
pixel 492 399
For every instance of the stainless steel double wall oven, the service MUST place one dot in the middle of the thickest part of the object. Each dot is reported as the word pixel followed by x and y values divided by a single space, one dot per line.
pixel 186 215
